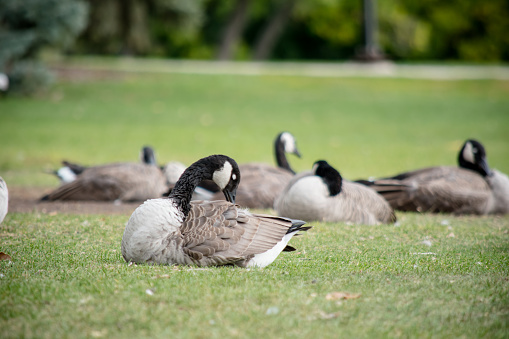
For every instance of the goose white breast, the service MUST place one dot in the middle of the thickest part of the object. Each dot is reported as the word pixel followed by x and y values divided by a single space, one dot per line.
pixel 323 195
pixel 4 199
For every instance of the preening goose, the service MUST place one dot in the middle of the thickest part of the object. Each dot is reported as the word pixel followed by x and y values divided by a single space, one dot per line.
pixel 4 199
pixel 471 188
pixel 321 194
pixel 176 231
pixel 262 183
pixel 69 171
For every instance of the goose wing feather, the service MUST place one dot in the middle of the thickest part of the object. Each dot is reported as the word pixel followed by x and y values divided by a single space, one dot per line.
pixel 218 233
pixel 360 204
pixel 437 189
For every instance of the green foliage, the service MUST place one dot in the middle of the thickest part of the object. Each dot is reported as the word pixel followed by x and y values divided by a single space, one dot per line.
pixel 318 29
pixel 26 26
pixel 462 29
pixel 136 27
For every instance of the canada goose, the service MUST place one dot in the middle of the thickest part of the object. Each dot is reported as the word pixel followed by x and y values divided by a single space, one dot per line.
pixel 176 231
pixel 471 188
pixel 262 183
pixel 69 171
pixel 120 181
pixel 321 194
pixel 4 199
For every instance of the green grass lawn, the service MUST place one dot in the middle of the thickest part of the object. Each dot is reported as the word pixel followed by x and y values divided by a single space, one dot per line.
pixel 427 276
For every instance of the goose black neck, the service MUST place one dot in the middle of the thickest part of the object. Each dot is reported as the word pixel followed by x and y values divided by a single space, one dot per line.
pixel 330 176
pixel 148 156
pixel 281 160
pixel 185 186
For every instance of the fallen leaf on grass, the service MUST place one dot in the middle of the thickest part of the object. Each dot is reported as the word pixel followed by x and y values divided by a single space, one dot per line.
pixel 4 256
pixel 342 295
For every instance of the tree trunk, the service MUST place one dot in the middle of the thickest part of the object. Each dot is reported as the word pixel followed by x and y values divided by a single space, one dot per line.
pixel 233 30
pixel 273 30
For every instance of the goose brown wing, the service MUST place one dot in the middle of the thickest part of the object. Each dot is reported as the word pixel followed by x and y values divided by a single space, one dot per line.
pixel 437 189
pixel 219 233
pixel 460 192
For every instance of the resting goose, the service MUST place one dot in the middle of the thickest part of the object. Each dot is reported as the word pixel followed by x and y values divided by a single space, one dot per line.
pixel 471 188
pixel 4 199
pixel 262 183
pixel 321 194
pixel 69 171
pixel 121 181
pixel 176 231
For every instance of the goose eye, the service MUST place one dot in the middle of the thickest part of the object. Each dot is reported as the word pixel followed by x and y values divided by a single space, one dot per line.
pixel 234 177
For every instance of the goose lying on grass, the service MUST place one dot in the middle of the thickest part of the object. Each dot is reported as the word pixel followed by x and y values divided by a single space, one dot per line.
pixel 176 231
pixel 70 171
pixel 4 199
pixel 471 188
pixel 122 181
pixel 262 183
pixel 321 194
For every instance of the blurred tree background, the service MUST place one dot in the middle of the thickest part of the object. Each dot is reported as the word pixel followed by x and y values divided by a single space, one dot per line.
pixel 409 30
pixel 26 28
pixel 288 29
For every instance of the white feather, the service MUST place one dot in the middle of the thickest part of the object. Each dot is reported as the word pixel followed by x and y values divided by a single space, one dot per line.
pixel 66 175
pixel 266 258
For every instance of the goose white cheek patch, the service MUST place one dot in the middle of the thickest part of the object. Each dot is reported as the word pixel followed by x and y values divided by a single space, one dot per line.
pixel 289 142
pixel 468 153
pixel 222 177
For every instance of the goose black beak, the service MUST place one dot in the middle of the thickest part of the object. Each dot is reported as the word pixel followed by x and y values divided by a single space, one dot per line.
pixel 484 165
pixel 230 195
pixel 297 153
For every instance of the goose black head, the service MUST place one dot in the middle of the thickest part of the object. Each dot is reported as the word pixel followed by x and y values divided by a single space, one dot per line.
pixel 287 141
pixel 473 156
pixel 226 175
pixel 330 176
pixel 221 169
pixel 147 156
